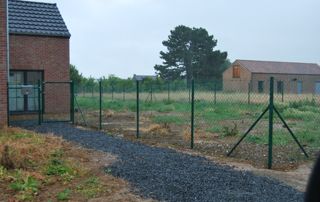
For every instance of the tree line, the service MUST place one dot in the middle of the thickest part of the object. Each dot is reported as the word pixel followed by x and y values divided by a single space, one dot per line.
pixel 116 84
pixel 190 54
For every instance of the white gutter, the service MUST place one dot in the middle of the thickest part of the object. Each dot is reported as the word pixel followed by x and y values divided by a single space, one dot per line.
pixel 8 44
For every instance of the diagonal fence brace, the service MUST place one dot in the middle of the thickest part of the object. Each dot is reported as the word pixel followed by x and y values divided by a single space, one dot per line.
pixel 290 131
pixel 248 131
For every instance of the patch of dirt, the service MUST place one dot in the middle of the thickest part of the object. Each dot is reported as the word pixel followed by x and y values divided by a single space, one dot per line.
pixel 95 162
pixel 297 178
pixel 287 160
pixel 87 163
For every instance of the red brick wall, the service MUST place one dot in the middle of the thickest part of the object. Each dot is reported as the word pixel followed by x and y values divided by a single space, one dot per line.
pixel 50 54
pixel 3 63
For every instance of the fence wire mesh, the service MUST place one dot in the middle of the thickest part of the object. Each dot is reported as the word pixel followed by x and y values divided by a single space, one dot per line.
pixel 224 110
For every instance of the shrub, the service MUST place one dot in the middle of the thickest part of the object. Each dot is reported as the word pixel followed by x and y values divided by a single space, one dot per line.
pixel 233 131
pixel 64 195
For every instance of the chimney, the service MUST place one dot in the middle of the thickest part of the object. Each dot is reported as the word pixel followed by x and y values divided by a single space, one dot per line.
pixel 3 63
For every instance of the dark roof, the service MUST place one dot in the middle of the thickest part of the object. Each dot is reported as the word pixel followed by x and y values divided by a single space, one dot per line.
pixel 35 18
pixel 270 67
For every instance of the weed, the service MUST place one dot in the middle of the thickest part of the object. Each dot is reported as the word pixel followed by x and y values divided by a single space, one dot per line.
pixel 227 132
pixel 64 195
pixel 26 186
pixel 108 170
pixel 23 184
pixel 90 188
pixel 57 168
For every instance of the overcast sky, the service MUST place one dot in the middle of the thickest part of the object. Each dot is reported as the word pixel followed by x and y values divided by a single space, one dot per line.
pixel 124 37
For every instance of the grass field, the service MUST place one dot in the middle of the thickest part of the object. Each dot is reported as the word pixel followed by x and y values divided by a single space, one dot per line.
pixel 220 120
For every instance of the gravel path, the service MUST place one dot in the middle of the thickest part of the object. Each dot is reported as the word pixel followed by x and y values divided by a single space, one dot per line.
pixel 167 175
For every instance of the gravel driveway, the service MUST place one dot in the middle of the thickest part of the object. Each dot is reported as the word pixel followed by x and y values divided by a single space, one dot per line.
pixel 167 175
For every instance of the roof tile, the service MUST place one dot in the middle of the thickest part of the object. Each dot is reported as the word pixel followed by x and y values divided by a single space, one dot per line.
pixel 36 18
pixel 271 67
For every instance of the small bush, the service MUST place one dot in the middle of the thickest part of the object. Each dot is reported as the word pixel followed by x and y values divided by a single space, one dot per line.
pixel 26 186
pixel 28 183
pixel 64 195
pixel 57 168
pixel 229 132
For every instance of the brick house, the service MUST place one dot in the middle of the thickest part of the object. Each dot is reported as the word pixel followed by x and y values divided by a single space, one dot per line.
pixel 290 77
pixel 34 44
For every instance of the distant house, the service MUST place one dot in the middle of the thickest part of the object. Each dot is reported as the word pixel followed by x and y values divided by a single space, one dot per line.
pixel 34 45
pixel 290 77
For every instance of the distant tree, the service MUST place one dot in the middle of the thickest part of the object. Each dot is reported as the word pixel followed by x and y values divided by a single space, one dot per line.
pixel 75 76
pixel 190 54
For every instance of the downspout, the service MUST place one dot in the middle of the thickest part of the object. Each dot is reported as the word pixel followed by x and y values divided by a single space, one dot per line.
pixel 8 44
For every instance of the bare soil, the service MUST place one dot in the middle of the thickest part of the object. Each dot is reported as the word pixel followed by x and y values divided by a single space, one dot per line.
pixel 289 163
pixel 36 148
pixel 116 189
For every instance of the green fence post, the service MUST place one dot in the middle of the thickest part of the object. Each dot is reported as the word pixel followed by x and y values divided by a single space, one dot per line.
pixel 72 102
pixel 138 132
pixel 8 104
pixel 282 91
pixel 271 107
pixel 168 91
pixel 215 92
pixel 192 114
pixel 39 102
pixel 43 101
pixel 92 91
pixel 124 94
pixel 151 92
pixel 100 105
pixel 249 92
pixel 112 91
pixel 189 90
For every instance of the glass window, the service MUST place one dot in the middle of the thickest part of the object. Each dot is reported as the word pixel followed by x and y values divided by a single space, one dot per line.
pixel 19 101
pixel 260 86
pixel 280 87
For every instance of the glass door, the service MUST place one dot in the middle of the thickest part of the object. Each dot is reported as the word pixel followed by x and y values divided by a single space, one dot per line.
pixel 16 98
pixel 317 88
pixel 299 87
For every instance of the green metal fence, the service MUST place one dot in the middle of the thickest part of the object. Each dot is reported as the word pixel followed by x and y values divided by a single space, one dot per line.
pixel 209 116
pixel 40 103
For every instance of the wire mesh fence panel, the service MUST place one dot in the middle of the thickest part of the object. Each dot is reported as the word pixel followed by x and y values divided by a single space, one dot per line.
pixel 159 113
pixel 299 105
pixel 119 109
pixel 57 102
pixel 224 110
pixel 165 113
pixel 87 105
